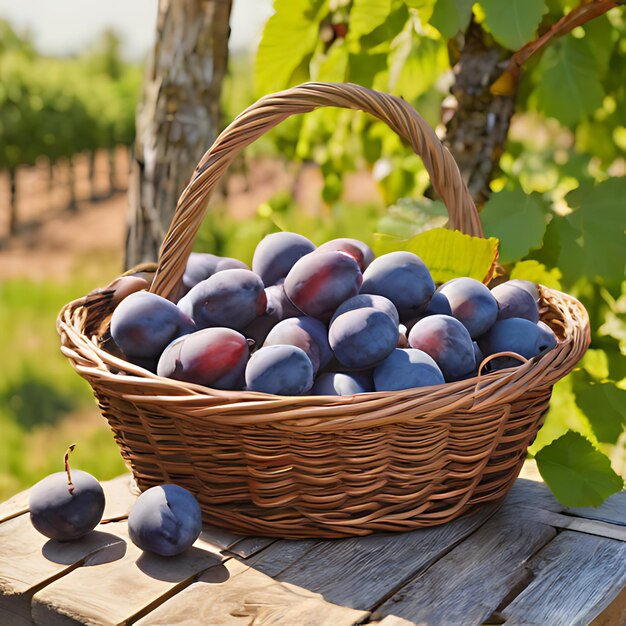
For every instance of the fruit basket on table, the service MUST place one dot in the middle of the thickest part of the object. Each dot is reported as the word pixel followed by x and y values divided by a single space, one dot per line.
pixel 322 466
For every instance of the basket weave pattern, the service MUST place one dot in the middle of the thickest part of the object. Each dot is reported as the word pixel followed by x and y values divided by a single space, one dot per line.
pixel 316 466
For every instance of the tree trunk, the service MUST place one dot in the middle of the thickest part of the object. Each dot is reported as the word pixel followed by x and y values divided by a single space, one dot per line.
pixel 71 184
pixel 178 118
pixel 112 171
pixel 12 202
pixel 92 175
pixel 50 176
pixel 478 123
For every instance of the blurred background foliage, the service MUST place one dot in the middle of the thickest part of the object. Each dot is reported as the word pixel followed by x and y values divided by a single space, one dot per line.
pixel 556 201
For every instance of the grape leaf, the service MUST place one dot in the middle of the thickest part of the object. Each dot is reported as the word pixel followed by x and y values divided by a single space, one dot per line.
pixel 451 16
pixel 570 86
pixel 366 15
pixel 604 404
pixel 447 253
pixel 517 220
pixel 513 22
pixel 576 472
pixel 592 239
pixel 289 36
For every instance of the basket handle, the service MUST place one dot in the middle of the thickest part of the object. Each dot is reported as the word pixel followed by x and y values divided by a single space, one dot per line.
pixel 273 109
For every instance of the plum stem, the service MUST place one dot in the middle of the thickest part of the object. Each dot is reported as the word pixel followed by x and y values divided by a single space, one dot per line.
pixel 70 484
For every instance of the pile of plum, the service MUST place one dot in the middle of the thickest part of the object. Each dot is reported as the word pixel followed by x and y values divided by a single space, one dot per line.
pixel 331 320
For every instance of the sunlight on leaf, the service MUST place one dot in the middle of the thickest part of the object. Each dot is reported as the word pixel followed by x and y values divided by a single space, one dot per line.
pixel 447 253
pixel 576 472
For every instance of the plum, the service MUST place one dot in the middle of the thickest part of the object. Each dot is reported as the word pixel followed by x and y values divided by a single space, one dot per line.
pixel 230 299
pixel 304 332
pixel 517 335
pixel 515 301
pixel 318 283
pixel 471 303
pixel 368 300
pixel 405 369
pixel 277 253
pixel 282 370
pixel 402 278
pixel 201 266
pixel 447 341
pixel 144 323
pixel 66 505
pixel 213 357
pixel 361 252
pixel 363 337
pixel 165 520
pixel 342 384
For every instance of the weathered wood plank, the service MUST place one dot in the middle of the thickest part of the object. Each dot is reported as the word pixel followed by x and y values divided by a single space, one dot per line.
pixel 28 560
pixel 280 555
pixel 612 510
pixel 469 583
pixel 532 494
pixel 580 524
pixel 576 576
pixel 236 595
pixel 360 572
pixel 614 614
pixel 17 505
pixel 392 620
pixel 115 592
pixel 250 546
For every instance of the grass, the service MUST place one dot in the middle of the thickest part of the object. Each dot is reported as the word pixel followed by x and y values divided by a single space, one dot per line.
pixel 44 404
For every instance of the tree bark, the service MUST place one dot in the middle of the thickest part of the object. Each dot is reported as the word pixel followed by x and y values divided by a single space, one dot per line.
pixel 112 171
pixel 92 175
pixel 71 185
pixel 178 118
pixel 477 122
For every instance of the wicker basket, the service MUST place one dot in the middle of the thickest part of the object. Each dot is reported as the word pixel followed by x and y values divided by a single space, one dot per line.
pixel 321 466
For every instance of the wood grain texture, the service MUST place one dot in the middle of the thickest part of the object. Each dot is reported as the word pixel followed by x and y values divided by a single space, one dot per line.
pixel 580 524
pixel 280 555
pixel 469 583
pixel 28 561
pixel 17 505
pixel 113 593
pixel 576 576
pixel 360 572
pixel 613 510
pixel 236 595
pixel 248 546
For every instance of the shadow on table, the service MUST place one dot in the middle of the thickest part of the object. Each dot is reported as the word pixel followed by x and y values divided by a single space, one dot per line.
pixel 173 569
pixel 95 548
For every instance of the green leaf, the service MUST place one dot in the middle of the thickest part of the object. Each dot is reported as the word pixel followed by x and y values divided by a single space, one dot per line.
pixel 564 415
pixel 592 238
pixel 363 68
pixel 599 37
pixel 577 473
pixel 366 15
pixel 537 273
pixel 603 403
pixel 447 253
pixel 290 35
pixel 513 22
pixel 570 88
pixel 451 16
pixel 517 220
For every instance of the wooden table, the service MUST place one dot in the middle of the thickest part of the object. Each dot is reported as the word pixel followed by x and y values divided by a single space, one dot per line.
pixel 531 561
